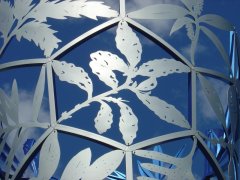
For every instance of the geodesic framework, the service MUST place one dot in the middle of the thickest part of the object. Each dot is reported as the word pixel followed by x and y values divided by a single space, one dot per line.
pixel 31 17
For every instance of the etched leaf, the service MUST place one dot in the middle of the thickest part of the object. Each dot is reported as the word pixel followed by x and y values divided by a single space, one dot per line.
pixel 190 31
pixel 75 75
pixel 179 23
pixel 144 172
pixel 105 74
pixel 213 99
pixel 6 17
pixel 38 95
pixel 183 172
pixel 128 43
pixel 40 34
pixel 162 67
pixel 198 7
pixel 14 102
pixel 10 104
pixel 188 3
pixel 104 118
pixel 216 21
pixel 217 43
pixel 104 166
pixel 68 8
pixel 21 8
pixel 49 157
pixel 78 165
pixel 164 110
pixel 3 114
pixel 159 11
pixel 148 84
pixel 17 141
pixel 109 61
pixel 182 166
pixel 128 123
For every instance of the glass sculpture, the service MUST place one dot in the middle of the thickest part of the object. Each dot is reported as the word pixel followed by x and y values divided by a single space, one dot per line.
pixel 117 90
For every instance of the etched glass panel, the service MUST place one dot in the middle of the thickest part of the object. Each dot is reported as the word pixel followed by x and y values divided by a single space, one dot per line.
pixel 118 89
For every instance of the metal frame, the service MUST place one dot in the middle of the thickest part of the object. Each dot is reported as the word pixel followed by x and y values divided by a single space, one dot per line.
pixel 101 139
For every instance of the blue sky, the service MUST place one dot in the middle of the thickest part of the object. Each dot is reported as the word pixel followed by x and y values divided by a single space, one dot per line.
pixel 173 88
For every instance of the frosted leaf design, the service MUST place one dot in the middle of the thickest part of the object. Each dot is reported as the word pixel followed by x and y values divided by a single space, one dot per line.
pixel 198 7
pixel 38 95
pixel 22 7
pixel 3 113
pixel 190 31
pixel 49 157
pixel 62 9
pixel 9 109
pixel 29 17
pixel 78 165
pixel 6 18
pixel 109 61
pixel 159 11
pixel 213 99
pixel 46 40
pixel 18 138
pixel 162 67
pixel 188 3
pixel 148 84
pixel 128 123
pixel 216 21
pixel 13 110
pixel 164 110
pixel 104 118
pixel 103 64
pixel 74 75
pixel 179 23
pixel 182 169
pixel 128 43
pixel 10 104
pixel 193 8
pixel 104 165
pixel 146 173
pixel 106 75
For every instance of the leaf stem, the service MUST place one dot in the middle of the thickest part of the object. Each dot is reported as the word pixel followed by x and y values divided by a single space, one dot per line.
pixel 20 22
pixel 66 115
pixel 194 42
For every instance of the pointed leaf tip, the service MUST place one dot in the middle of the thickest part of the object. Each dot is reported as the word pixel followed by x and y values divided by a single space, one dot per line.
pixel 74 75
pixel 38 95
pixel 128 43
pixel 78 165
pixel 164 111
pixel 179 23
pixel 49 156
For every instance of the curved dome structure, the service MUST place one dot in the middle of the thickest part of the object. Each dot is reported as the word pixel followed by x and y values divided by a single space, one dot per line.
pixel 118 90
